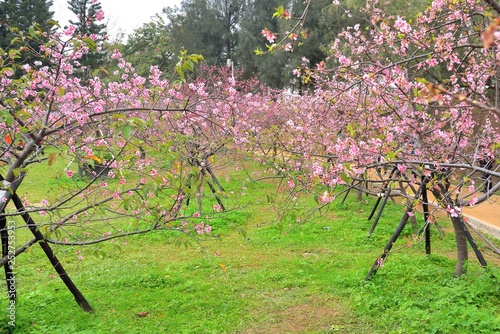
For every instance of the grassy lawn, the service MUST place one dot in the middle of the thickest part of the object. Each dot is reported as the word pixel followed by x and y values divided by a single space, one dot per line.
pixel 258 277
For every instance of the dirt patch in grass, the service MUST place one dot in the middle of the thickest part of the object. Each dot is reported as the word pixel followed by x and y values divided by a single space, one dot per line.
pixel 302 318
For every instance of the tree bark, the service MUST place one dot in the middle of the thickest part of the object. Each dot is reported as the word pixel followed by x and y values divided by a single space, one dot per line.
pixel 359 196
pixel 413 219
pixel 462 250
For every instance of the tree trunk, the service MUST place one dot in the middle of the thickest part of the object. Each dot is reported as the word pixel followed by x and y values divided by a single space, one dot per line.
pixel 462 251
pixel 359 196
pixel 460 234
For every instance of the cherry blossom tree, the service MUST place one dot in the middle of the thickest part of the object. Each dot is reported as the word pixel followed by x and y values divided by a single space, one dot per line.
pixel 417 96
pixel 136 149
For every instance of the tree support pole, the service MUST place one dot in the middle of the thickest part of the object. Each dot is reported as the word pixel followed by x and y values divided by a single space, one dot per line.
pixel 214 178
pixel 379 214
pixel 379 198
pixel 473 244
pixel 425 205
pixel 384 188
pixel 402 223
pixel 347 192
pixel 380 261
pixel 204 171
pixel 80 299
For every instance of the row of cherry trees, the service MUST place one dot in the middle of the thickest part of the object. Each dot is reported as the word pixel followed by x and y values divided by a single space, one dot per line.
pixel 138 151
pixel 415 95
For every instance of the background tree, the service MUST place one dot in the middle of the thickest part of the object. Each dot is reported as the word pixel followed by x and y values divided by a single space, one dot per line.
pixel 205 27
pixel 17 16
pixel 270 70
pixel 8 8
pixel 88 15
pixel 30 11
pixel 150 45
pixel 228 16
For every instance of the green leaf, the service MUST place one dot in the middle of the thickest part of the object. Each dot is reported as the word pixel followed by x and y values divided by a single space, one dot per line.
pixel 89 42
pixel 119 116
pixel 18 171
pixel 54 23
pixel 279 12
pixel 180 72
pixel 23 114
pixel 127 131
pixel 33 33
pixel 126 204
pixel 344 177
pixel 350 128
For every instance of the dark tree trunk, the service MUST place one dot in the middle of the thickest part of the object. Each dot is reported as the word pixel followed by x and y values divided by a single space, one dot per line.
pixel 461 239
pixel 413 219
pixel 460 234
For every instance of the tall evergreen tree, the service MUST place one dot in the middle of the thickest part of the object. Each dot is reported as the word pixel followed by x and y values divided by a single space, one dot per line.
pixel 228 16
pixel 16 17
pixel 207 27
pixel 8 11
pixel 88 14
pixel 31 11
pixel 231 29
pixel 258 15
pixel 20 15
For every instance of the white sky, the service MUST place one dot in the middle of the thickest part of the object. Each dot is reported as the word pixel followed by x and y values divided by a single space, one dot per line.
pixel 125 15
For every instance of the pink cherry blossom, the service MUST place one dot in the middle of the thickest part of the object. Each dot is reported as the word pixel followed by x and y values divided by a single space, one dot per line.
pixel 269 35
pixel 99 15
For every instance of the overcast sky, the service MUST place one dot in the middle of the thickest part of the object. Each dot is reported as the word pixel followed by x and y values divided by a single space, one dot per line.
pixel 125 15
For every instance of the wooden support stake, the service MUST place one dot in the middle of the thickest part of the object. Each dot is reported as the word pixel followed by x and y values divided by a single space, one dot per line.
pixel 380 261
pixel 379 214
pixel 425 205
pixel 473 244
pixel 80 299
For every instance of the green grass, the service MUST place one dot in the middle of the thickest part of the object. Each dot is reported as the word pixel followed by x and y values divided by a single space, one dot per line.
pixel 258 277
